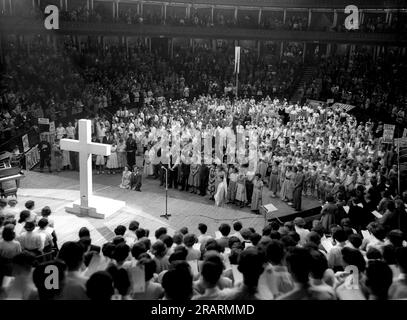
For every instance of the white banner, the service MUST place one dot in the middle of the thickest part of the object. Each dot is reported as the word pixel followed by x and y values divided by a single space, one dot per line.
pixel 237 60
pixel 388 133
pixel 43 121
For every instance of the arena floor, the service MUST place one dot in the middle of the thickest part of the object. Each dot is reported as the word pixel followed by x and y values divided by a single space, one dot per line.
pixel 58 190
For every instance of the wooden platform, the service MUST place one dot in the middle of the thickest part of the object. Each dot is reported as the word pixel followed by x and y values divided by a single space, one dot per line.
pixel 58 189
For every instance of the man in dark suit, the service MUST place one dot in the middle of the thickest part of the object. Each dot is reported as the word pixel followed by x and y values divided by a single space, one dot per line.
pixel 298 186
pixel 131 148
pixel 45 155
pixel 185 168
pixel 203 179
pixel 173 172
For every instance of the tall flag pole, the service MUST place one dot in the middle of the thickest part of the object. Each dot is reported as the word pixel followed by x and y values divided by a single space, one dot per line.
pixel 237 67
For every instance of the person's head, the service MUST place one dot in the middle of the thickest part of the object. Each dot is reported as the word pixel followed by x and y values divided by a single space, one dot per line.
pixel 100 286
pixel 159 232
pixel 167 239
pixel 159 249
pixel 12 203
pixel 246 233
pixel 43 223
pixel 84 233
pixel 178 238
pixel 121 252
pixel 211 273
pixel 189 240
pixel 134 225
pixel 29 226
pixel 72 254
pixel 213 244
pixel 275 252
pixel 319 264
pixel 46 211
pixel 177 282
pixel 108 249
pixel 184 230
pixel 267 230
pixel 314 238
pixel 23 263
pixel 299 222
pixel 140 233
pixel 202 228
pixel 41 274
pixel 255 238
pixel 179 254
pixel 8 233
pixel 118 240
pixel 150 267
pixel 299 262
pixel 353 257
pixel 373 254
pixel 234 242
pixel 120 230
pixel 224 229
pixel 24 215
pixel 379 232
pixel 137 249
pixel 29 205
pixel 355 240
pixel 379 278
pixel 237 226
pixel 339 235
pixel 251 265
pixel 121 280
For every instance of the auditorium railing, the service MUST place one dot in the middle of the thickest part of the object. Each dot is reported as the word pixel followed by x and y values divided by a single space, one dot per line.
pixel 10 25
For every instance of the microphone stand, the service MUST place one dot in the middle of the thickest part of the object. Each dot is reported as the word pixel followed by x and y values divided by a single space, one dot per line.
pixel 166 215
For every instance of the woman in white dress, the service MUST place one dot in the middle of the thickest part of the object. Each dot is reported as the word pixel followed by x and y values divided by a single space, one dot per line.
pixel 66 160
pixel 222 191
pixel 100 163
pixel 126 178
pixel 148 166
pixel 121 153
pixel 112 163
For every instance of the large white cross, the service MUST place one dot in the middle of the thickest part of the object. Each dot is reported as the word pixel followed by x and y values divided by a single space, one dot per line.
pixel 85 148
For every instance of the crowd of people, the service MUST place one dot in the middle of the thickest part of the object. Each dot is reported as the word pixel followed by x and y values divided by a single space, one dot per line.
pixel 300 150
pixel 298 20
pixel 102 78
pixel 290 261
pixel 376 88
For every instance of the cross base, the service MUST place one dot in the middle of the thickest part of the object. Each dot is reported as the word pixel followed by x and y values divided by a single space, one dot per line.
pixel 98 207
